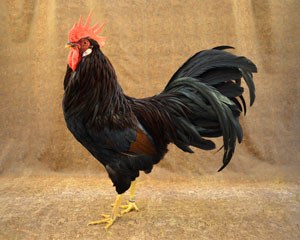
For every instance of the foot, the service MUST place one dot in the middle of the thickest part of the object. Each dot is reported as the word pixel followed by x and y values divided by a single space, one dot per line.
pixel 131 206
pixel 108 219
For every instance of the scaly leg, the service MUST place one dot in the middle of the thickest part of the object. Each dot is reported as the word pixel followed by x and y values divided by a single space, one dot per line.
pixel 110 219
pixel 131 206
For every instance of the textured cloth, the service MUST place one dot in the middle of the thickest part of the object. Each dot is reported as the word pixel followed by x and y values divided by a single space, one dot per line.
pixel 146 42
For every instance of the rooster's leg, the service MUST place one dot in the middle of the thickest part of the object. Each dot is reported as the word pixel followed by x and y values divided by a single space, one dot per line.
pixel 110 219
pixel 131 205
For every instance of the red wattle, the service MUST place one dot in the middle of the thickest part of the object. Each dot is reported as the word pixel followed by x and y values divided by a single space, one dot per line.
pixel 74 58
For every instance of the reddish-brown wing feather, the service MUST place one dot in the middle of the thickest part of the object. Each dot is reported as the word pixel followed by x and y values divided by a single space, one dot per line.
pixel 142 144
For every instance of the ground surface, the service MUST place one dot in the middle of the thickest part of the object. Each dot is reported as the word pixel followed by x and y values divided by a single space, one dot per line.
pixel 59 207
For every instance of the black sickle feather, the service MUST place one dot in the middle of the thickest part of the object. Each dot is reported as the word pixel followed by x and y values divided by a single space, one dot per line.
pixel 215 110
pixel 248 79
pixel 224 47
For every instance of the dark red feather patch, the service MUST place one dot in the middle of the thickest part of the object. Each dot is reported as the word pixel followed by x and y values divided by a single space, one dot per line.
pixel 142 144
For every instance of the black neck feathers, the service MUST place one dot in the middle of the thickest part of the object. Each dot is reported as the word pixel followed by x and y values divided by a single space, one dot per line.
pixel 93 93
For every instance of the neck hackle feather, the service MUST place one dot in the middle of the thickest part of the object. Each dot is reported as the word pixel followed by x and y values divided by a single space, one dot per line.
pixel 80 31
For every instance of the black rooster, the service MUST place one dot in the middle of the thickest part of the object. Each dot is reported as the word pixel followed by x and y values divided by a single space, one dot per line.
pixel 128 135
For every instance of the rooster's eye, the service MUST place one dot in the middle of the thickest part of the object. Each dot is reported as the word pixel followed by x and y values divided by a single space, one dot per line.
pixel 85 43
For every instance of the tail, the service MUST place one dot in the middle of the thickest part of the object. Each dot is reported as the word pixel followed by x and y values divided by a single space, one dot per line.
pixel 206 99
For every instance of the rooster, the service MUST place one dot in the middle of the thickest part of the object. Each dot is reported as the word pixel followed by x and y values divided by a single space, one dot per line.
pixel 203 99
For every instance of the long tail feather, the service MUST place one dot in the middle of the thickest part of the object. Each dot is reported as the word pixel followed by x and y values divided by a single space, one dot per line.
pixel 207 88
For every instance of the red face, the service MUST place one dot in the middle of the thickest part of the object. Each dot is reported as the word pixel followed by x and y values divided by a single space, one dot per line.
pixel 76 51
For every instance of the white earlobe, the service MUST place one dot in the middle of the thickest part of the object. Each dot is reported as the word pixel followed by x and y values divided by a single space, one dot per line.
pixel 87 52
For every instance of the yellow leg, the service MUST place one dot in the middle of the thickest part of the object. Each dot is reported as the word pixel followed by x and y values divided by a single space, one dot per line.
pixel 110 219
pixel 131 205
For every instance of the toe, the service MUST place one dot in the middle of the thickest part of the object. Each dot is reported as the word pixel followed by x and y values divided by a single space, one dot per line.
pixel 106 219
pixel 109 224
pixel 130 207
pixel 95 222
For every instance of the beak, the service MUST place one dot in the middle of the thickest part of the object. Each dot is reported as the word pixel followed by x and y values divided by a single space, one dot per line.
pixel 70 45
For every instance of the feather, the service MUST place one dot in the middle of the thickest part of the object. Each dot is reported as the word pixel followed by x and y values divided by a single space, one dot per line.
pixel 244 104
pixel 185 148
pixel 237 103
pixel 223 47
pixel 230 89
pixel 248 78
pixel 211 59
pixel 220 75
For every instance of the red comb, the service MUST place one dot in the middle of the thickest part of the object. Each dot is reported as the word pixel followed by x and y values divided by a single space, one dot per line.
pixel 80 31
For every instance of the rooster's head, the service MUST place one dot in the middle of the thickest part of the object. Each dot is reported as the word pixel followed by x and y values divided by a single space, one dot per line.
pixel 79 40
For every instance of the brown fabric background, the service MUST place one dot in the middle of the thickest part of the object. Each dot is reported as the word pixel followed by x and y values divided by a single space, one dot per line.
pixel 147 41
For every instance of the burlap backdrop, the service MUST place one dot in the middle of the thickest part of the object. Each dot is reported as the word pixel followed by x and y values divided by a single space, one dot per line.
pixel 147 41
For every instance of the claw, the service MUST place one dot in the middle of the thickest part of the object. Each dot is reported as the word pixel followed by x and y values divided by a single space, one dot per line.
pixel 131 206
